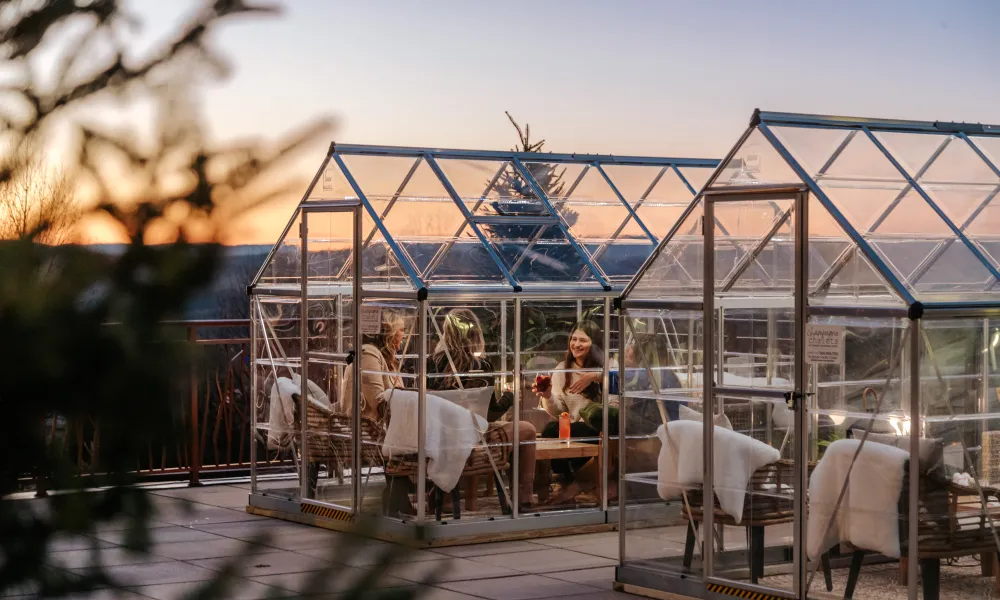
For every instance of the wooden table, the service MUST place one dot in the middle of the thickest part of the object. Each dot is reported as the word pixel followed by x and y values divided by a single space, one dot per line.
pixel 547 450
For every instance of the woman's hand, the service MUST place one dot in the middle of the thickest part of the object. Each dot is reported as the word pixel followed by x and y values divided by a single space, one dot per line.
pixel 546 394
pixel 582 381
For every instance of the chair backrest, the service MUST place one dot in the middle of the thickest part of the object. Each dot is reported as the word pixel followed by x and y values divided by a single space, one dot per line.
pixel 476 400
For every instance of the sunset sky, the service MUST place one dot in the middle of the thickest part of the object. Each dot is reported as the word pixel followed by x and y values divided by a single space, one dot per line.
pixel 627 77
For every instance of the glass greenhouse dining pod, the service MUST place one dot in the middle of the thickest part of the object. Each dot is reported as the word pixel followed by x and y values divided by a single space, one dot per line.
pixel 469 293
pixel 820 332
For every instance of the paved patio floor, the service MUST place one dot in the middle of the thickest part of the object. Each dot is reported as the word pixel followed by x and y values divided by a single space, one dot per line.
pixel 198 529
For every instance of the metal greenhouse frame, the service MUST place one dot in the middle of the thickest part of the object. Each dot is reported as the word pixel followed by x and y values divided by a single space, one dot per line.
pixel 417 230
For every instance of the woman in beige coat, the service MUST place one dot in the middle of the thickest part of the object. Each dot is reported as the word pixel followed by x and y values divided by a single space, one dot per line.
pixel 379 366
pixel 380 369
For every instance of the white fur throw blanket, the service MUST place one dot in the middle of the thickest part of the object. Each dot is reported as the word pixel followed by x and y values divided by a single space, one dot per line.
pixel 868 516
pixel 450 437
pixel 281 409
pixel 736 456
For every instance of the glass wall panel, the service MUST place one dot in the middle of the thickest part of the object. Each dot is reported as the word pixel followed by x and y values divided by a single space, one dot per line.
pixel 662 350
pixel 858 447
pixel 388 405
pixel 470 367
pixel 276 367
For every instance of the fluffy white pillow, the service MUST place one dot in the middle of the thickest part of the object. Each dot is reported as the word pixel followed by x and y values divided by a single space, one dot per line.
pixel 687 414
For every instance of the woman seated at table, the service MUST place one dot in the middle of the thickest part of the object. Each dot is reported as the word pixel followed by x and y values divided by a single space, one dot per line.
pixel 459 357
pixel 379 367
pixel 575 393
pixel 581 395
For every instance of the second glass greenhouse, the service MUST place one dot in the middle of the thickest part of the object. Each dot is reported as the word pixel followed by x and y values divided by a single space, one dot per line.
pixel 812 349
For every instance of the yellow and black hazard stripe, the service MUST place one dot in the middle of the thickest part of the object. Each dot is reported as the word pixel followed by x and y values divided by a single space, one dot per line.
pixel 325 512
pixel 740 593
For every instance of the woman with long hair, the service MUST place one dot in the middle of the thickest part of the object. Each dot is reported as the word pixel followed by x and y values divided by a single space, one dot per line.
pixel 380 368
pixel 576 389
pixel 459 359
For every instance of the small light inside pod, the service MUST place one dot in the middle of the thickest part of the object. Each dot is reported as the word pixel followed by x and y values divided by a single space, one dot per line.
pixel 901 426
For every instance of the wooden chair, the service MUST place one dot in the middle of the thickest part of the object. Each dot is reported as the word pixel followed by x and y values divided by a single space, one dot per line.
pixel 951 524
pixel 479 463
pixel 770 501
pixel 330 442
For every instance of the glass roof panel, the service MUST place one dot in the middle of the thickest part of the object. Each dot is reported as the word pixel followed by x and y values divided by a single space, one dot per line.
pixel 538 254
pixel 989 146
pixel 696 177
pixel 861 161
pixel 984 221
pixel 474 179
pixel 621 260
pixel 915 152
pixel 417 229
pixel 410 219
pixel 756 258
pixel 636 182
pixel 756 162
pixel 813 148
pixel 839 273
pixel 963 204
pixel 381 266
pixel 911 217
pixel 951 270
pixel 386 176
pixel 676 272
pixel 283 269
pixel 330 243
pixel 909 241
pixel 458 261
pixel 556 180
pixel 331 185
pixel 958 164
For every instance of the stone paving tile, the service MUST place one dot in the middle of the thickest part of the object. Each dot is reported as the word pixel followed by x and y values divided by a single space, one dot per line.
pixel 573 541
pixel 368 555
pixel 241 590
pixel 107 595
pixel 521 587
pixel 608 550
pixel 76 542
pixel 297 582
pixel 217 548
pixel 112 557
pixel 600 577
pixel 436 593
pixel 311 539
pixel 608 595
pixel 222 495
pixel 455 569
pixel 207 515
pixel 162 535
pixel 269 563
pixel 549 560
pixel 154 573
pixel 487 549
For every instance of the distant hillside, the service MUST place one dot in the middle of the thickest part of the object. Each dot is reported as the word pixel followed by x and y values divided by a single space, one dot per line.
pixel 226 297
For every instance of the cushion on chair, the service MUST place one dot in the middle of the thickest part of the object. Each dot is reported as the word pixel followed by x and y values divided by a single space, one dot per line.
pixel 931 449
pixel 688 414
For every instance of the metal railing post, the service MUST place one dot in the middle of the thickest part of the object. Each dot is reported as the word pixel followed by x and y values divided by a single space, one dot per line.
pixel 195 433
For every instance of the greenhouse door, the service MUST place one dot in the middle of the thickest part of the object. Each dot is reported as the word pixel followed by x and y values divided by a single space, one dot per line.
pixel 330 467
pixel 754 314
